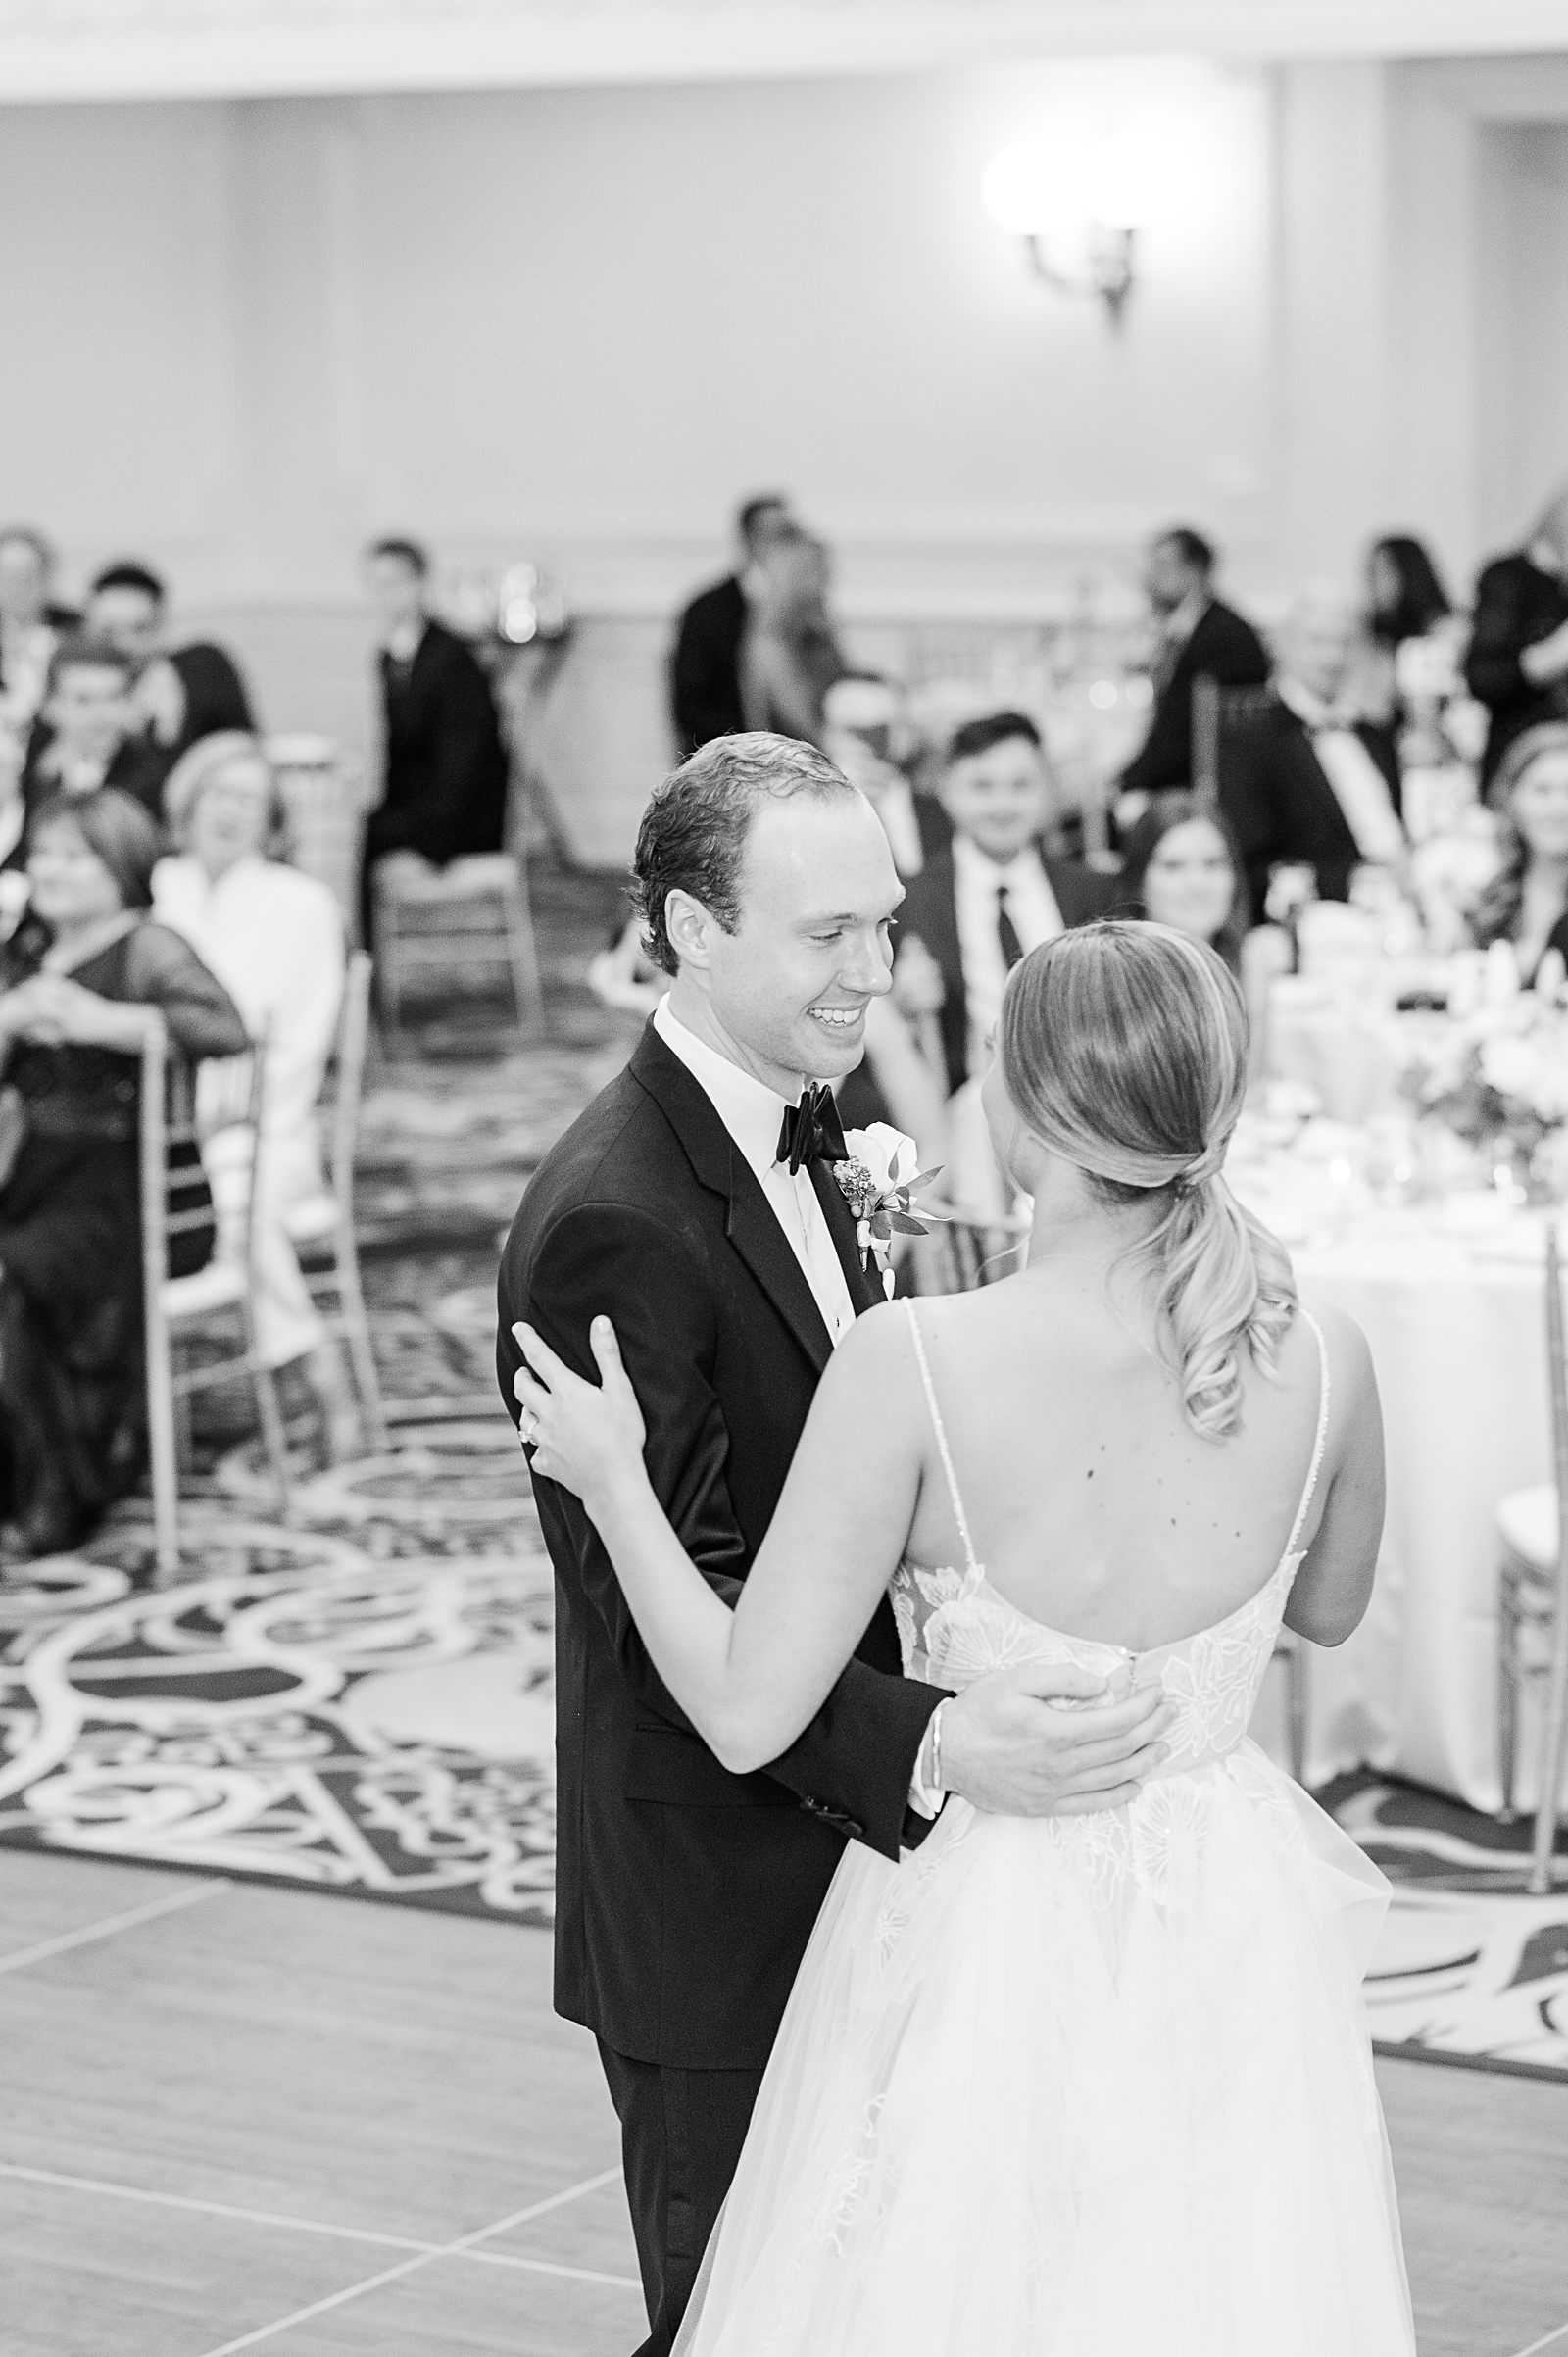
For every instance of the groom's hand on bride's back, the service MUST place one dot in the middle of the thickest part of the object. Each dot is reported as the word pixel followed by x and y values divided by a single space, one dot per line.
pixel 1011 1748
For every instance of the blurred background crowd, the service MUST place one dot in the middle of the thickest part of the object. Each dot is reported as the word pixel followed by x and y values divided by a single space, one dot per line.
pixel 1381 775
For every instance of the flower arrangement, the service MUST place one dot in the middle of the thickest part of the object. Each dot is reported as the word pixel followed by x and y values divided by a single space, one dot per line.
pixel 1498 1078
pixel 1450 874
pixel 879 1180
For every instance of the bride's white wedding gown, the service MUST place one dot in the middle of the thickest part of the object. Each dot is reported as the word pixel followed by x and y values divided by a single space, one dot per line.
pixel 1078 2087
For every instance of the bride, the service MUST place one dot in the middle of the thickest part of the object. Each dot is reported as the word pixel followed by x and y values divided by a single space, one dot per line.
pixel 1077 2084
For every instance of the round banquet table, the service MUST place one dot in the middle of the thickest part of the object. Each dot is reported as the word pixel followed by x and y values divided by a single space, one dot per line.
pixel 1452 1301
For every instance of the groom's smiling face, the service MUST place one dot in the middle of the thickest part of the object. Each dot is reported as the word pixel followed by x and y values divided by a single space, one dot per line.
pixel 789 987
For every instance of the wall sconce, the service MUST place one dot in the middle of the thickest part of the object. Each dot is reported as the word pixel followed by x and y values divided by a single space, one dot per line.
pixel 1077 215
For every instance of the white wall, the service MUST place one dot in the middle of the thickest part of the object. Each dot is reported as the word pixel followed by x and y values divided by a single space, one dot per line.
pixel 577 324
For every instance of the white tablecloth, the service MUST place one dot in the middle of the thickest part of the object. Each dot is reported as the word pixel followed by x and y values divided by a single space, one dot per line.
pixel 1457 1333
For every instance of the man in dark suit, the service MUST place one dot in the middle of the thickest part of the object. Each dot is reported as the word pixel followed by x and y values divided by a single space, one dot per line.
pixel 182 693
pixel 1304 781
pixel 446 774
pixel 705 671
pixel 1198 638
pixel 992 894
pixel 694 1203
pixel 85 735
pixel 1517 664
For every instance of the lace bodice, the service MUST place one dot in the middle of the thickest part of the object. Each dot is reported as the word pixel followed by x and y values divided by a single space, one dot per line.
pixel 953 1626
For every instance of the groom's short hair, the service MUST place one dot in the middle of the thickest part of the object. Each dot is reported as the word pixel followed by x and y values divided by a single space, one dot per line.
pixel 693 830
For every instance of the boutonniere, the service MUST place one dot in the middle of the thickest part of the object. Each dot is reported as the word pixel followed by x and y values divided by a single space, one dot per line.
pixel 879 1179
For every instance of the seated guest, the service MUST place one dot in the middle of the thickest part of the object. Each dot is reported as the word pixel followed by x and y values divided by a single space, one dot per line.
pixel 1517 666
pixel 704 676
pixel 866 734
pixel 85 736
pixel 32 626
pixel 181 695
pixel 446 775
pixel 274 940
pixel 1198 638
pixel 979 907
pixel 81 984
pixel 1182 867
pixel 1308 781
pixel 1527 901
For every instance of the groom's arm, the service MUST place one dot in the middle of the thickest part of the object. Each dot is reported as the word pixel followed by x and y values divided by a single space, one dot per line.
pixel 855 1764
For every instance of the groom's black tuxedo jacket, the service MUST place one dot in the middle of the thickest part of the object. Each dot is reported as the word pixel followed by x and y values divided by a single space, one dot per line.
pixel 685 1895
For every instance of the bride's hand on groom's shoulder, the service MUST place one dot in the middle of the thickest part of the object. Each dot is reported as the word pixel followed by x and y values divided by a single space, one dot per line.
pixel 587 1436
pixel 1009 1747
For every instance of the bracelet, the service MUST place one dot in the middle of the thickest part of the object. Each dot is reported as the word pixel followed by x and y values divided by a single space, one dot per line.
pixel 937 1785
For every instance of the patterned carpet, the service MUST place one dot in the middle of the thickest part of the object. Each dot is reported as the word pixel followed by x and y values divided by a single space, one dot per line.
pixel 361 1703
pixel 1471 1969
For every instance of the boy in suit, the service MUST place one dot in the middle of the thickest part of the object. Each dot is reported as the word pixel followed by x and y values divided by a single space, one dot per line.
pixel 446 765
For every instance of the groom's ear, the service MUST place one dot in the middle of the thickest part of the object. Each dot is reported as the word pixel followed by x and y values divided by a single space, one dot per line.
pixel 690 927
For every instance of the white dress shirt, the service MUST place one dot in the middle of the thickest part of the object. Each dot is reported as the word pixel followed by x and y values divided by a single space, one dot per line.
pixel 1030 903
pixel 753 1114
pixel 1360 786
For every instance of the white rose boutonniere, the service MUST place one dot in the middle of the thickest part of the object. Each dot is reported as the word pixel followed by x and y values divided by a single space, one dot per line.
pixel 879 1179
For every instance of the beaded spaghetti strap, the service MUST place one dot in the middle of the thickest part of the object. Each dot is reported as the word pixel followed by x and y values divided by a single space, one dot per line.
pixel 976 1570
pixel 1319 1444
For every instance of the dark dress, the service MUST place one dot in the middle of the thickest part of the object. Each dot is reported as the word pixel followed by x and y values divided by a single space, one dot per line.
pixel 72 1408
pixel 1518 605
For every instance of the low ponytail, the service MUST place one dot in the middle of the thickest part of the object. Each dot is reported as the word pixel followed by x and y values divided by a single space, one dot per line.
pixel 1124 1050
pixel 1221 1279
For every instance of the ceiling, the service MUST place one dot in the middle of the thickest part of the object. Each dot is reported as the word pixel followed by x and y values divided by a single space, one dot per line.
pixel 61 49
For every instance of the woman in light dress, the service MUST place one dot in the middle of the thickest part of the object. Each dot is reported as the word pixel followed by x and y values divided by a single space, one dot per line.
pixel 1083 2086
pixel 274 937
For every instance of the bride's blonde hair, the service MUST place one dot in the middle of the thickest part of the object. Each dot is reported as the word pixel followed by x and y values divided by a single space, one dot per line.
pixel 1123 1047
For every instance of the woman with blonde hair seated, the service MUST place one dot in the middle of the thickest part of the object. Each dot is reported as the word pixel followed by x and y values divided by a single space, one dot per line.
pixel 274 937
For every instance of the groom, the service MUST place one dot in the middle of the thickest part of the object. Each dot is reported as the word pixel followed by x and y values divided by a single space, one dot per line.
pixel 694 1203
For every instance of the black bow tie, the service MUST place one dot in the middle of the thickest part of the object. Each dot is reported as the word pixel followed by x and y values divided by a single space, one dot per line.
pixel 812 1131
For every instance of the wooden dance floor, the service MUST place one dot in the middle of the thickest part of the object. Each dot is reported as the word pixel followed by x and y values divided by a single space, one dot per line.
pixel 243 2118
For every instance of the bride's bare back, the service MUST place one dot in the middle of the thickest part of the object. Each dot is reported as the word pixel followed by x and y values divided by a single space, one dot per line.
pixel 1092 1503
